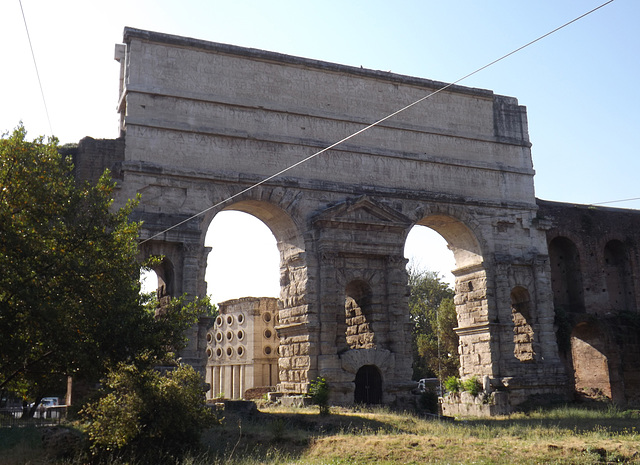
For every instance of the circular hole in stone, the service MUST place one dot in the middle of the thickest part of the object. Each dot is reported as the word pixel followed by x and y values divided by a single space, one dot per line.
pixel 229 335
pixel 219 352
pixel 209 338
pixel 267 333
pixel 219 321
pixel 267 350
pixel 229 319
pixel 240 318
pixel 267 317
pixel 240 351
pixel 209 353
pixel 229 351
pixel 240 335
pixel 219 337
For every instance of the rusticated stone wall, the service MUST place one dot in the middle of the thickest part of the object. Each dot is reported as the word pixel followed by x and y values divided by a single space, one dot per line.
pixel 202 122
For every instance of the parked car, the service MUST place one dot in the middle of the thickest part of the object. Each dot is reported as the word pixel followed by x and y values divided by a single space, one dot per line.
pixel 46 407
pixel 429 383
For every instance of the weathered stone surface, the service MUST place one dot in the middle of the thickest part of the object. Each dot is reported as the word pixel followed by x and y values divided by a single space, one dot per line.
pixel 202 121
pixel 594 256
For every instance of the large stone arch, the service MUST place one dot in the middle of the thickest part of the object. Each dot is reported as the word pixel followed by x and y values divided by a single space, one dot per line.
pixel 463 234
pixel 204 124
pixel 296 325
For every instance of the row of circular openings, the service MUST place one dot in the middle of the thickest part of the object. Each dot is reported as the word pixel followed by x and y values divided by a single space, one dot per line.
pixel 240 335
pixel 240 351
pixel 229 319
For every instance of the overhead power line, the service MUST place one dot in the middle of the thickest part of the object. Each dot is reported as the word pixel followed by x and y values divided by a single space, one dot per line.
pixel 616 201
pixel 35 64
pixel 389 116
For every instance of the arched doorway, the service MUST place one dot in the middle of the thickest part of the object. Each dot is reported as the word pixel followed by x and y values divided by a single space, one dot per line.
pixel 368 386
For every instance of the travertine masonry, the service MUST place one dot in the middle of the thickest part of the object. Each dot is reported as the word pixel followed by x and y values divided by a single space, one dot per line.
pixel 203 121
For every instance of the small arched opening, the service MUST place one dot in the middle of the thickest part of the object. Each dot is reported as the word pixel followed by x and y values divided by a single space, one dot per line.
pixel 159 279
pixel 368 389
pixel 566 275
pixel 523 335
pixel 354 325
pixel 618 277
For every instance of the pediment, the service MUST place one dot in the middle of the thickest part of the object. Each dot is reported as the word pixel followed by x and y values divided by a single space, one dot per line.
pixel 361 212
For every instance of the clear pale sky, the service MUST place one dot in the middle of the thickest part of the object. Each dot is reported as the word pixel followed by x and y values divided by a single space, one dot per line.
pixel 580 85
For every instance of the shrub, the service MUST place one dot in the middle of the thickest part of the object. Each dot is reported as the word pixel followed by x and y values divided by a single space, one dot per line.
pixel 319 392
pixel 148 415
pixel 452 385
pixel 473 386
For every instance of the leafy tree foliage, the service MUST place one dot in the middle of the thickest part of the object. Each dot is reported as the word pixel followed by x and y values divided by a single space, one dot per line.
pixel 147 415
pixel 435 344
pixel 69 289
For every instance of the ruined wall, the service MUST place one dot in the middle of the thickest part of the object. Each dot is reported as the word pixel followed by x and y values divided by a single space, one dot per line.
pixel 104 154
pixel 594 255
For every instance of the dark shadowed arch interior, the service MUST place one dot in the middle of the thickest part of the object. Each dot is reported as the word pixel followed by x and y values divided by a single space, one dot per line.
pixel 566 275
pixel 368 386
pixel 522 329
pixel 618 276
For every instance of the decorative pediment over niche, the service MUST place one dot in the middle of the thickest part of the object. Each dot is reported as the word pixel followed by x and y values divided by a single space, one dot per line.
pixel 360 213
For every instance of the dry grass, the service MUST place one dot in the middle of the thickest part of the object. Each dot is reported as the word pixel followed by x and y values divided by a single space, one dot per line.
pixel 562 436
pixel 346 437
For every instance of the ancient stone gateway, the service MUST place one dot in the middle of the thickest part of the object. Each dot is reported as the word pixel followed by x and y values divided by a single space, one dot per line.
pixel 203 121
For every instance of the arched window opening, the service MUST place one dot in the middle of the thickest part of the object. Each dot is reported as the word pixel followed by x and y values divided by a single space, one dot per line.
pixel 523 334
pixel 566 275
pixel 618 277
pixel 159 280
pixel 357 316
pixel 590 363
pixel 244 259
pixel 368 389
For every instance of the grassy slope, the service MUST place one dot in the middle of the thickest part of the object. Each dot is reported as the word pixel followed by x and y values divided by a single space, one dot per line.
pixel 349 437
pixel 301 436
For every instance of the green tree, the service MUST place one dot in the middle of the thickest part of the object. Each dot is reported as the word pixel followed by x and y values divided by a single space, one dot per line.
pixel 69 289
pixel 435 344
pixel 147 415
